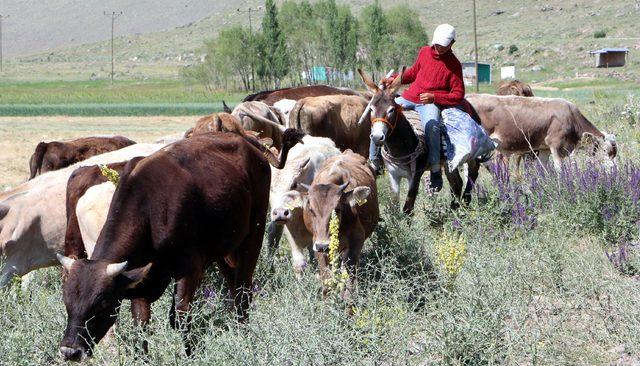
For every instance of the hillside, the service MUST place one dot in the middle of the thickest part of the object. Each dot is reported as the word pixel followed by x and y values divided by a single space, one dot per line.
pixel 553 37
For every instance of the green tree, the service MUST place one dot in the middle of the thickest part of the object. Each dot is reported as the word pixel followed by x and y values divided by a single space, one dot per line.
pixel 274 63
pixel 375 37
pixel 303 37
pixel 406 36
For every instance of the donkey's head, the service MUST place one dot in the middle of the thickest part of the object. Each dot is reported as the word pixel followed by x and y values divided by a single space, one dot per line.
pixel 385 112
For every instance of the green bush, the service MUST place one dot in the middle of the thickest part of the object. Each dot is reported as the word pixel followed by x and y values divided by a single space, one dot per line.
pixel 513 49
pixel 600 34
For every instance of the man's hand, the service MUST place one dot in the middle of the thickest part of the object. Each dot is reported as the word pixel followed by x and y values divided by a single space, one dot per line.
pixel 427 98
pixel 387 81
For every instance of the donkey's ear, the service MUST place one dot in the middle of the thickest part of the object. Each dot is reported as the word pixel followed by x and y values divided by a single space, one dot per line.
pixel 397 82
pixel 368 82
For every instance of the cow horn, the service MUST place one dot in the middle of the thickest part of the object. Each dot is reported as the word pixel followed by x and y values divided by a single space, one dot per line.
pixel 65 261
pixel 305 186
pixel 115 269
pixel 344 186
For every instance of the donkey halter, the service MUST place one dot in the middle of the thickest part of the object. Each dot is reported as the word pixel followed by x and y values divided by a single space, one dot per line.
pixel 386 121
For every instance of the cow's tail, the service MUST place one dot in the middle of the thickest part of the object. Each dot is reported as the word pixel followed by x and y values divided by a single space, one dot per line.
pixel 35 164
pixel 290 137
pixel 295 115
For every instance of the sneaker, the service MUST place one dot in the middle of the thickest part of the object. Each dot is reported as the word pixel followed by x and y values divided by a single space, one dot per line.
pixel 376 165
pixel 435 181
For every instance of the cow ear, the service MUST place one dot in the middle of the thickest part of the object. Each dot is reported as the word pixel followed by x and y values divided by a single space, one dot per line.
pixel 368 82
pixel 358 196
pixel 304 165
pixel 136 276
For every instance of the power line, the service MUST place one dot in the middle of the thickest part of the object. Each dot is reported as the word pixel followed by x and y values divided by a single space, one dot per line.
pixel 2 17
pixel 249 11
pixel 113 15
pixel 475 45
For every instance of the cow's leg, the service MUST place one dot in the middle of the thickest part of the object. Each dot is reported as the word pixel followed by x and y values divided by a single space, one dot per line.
pixel 557 158
pixel 473 169
pixel 455 184
pixel 350 259
pixel 414 185
pixel 185 290
pixel 324 269
pixel 275 234
pixel 297 256
pixel 243 276
pixel 141 314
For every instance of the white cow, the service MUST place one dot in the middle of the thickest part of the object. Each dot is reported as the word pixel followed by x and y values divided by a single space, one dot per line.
pixel 303 162
pixel 33 218
pixel 91 211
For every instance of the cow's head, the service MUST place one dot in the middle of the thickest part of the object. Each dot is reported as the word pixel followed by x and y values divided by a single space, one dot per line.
pixel 92 293
pixel 283 207
pixel 384 109
pixel 320 201
pixel 603 147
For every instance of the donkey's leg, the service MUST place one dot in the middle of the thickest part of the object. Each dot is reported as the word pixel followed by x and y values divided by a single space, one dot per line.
pixel 414 185
pixel 455 183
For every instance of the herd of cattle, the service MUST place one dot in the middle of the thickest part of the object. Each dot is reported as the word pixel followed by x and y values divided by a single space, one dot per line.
pixel 181 205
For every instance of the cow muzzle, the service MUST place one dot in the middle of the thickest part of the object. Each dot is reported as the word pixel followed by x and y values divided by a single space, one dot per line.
pixel 76 354
pixel 321 246
pixel 280 216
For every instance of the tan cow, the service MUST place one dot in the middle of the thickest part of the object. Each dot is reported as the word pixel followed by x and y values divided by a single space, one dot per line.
pixel 32 216
pixel 335 117
pixel 553 126
pixel 346 186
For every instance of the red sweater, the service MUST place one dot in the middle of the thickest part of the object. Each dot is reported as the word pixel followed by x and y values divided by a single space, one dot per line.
pixel 437 74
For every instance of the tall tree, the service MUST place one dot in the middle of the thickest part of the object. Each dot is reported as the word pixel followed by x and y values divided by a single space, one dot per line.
pixel 375 36
pixel 406 36
pixel 275 56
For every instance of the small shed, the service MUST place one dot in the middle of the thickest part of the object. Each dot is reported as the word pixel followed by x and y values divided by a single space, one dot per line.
pixel 610 57
pixel 469 72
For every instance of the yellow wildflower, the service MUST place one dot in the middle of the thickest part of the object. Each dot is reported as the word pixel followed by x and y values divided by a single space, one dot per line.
pixel 339 276
pixel 112 175
pixel 451 252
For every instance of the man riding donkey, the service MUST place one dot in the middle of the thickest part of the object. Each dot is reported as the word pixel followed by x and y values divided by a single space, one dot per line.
pixel 436 84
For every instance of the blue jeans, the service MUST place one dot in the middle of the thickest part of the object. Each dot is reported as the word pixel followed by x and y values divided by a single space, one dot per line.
pixel 431 122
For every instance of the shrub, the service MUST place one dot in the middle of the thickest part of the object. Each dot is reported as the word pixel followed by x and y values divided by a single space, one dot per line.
pixel 599 34
pixel 513 49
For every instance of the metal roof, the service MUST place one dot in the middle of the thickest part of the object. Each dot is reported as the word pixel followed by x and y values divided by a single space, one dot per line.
pixel 607 50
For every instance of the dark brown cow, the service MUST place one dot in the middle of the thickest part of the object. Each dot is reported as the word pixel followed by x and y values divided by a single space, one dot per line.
pixel 345 185
pixel 271 97
pixel 56 155
pixel 335 117
pixel 197 201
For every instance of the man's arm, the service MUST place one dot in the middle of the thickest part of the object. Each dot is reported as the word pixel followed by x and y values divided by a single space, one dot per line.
pixel 456 94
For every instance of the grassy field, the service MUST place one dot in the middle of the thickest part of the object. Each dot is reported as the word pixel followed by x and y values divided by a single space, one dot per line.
pixel 540 270
pixel 100 98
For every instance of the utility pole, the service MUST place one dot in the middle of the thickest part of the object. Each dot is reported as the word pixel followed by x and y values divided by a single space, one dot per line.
pixel 475 43
pixel 248 11
pixel 1 18
pixel 113 15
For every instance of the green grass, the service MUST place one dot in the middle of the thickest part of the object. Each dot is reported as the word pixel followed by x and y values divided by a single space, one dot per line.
pixel 114 109
pixel 541 293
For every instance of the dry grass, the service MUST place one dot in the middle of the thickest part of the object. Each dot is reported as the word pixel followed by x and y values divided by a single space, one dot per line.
pixel 20 135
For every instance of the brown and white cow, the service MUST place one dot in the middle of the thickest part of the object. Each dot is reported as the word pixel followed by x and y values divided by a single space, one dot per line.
pixel 259 117
pixel 212 209
pixel 302 165
pixel 552 126
pixel 344 186
pixel 56 155
pixel 32 215
pixel 335 117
